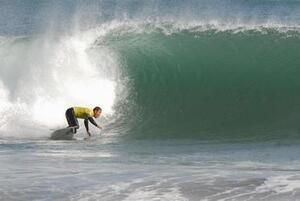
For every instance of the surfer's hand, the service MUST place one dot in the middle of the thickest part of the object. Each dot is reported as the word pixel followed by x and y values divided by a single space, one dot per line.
pixel 99 127
pixel 89 133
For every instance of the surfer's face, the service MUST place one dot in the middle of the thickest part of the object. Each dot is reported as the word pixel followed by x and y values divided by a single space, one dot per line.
pixel 97 113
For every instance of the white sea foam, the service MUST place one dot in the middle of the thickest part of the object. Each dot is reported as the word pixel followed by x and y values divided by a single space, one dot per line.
pixel 41 77
pixel 280 184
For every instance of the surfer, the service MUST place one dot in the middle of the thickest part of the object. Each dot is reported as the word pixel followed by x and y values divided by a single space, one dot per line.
pixel 82 113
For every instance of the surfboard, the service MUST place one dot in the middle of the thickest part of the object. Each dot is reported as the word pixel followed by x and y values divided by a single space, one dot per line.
pixel 62 134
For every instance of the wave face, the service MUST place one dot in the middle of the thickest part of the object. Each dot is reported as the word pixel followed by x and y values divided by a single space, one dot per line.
pixel 206 69
pixel 210 84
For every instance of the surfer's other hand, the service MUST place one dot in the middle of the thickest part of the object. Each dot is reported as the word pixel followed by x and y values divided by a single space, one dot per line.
pixel 89 133
pixel 100 127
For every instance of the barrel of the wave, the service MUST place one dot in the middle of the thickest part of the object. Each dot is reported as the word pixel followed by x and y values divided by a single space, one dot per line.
pixel 208 84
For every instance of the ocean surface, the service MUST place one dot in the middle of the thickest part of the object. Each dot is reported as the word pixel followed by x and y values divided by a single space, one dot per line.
pixel 200 99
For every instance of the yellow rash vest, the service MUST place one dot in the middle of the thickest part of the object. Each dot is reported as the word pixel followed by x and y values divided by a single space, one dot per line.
pixel 83 112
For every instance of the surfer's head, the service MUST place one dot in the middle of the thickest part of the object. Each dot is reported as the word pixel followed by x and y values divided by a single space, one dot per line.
pixel 97 112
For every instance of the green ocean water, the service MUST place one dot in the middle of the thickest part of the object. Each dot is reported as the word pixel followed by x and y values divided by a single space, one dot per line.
pixel 210 84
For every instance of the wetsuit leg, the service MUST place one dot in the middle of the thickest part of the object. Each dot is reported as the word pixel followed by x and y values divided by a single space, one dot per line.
pixel 72 120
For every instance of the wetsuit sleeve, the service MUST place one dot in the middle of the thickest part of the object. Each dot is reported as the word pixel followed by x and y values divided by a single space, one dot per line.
pixel 92 121
pixel 86 124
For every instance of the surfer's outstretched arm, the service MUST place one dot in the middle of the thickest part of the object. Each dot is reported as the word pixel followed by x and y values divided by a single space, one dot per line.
pixel 86 124
pixel 92 121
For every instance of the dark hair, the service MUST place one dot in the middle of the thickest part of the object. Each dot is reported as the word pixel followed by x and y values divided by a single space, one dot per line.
pixel 97 109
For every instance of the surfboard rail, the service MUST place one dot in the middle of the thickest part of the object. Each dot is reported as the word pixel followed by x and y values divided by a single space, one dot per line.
pixel 62 134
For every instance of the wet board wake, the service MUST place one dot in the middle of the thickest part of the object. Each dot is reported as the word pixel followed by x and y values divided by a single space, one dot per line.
pixel 62 134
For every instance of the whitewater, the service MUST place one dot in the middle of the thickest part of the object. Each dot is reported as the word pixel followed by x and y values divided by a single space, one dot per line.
pixel 200 99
